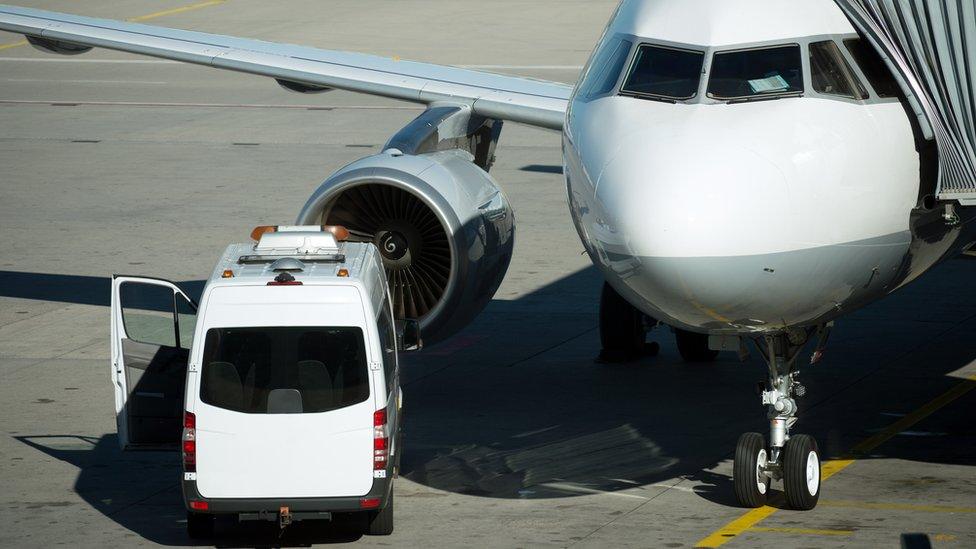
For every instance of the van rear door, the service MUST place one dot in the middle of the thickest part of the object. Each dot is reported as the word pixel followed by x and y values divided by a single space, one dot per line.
pixel 152 327
pixel 284 411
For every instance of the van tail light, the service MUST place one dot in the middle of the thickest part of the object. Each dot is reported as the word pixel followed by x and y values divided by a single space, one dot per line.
pixel 369 503
pixel 189 442
pixel 381 440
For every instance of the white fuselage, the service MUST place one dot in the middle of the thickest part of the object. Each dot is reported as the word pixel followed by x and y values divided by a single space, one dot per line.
pixel 741 216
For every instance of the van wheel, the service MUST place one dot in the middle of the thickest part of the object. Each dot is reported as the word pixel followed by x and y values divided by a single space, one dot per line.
pixel 381 522
pixel 199 525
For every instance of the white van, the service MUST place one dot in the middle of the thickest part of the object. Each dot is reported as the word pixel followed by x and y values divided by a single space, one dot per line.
pixel 282 385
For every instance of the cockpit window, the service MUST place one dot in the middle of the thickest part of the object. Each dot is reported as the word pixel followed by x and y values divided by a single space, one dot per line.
pixel 830 74
pixel 661 72
pixel 874 68
pixel 605 68
pixel 751 74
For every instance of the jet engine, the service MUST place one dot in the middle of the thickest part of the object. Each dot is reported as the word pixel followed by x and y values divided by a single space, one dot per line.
pixel 443 227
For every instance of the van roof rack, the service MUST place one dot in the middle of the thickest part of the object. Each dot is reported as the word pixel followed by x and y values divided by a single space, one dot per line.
pixel 306 243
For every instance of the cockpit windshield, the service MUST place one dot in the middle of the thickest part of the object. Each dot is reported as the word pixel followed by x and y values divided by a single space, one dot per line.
pixel 755 73
pixel 662 72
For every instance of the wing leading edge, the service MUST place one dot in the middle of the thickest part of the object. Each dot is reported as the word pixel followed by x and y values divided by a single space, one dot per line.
pixel 503 97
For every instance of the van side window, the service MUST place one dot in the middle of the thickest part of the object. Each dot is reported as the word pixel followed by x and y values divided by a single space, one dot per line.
pixel 388 343
pixel 284 369
pixel 147 313
pixel 830 74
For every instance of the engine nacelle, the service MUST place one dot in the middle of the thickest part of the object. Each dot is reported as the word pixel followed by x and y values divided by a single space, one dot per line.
pixel 443 226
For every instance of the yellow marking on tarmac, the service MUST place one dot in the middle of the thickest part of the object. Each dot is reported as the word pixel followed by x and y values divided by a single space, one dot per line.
pixel 808 531
pixel 174 11
pixel 897 506
pixel 832 467
pixel 736 527
pixel 142 18
pixel 13 45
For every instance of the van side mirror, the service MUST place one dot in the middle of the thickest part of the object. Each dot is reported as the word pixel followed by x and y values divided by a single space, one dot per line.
pixel 408 334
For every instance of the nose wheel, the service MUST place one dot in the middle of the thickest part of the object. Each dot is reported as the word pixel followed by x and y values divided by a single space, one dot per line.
pixel 793 459
pixel 750 478
pixel 801 472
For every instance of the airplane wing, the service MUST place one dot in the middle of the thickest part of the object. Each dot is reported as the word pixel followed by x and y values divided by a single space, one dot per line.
pixel 524 100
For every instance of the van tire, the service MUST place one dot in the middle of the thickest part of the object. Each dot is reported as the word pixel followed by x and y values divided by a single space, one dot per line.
pixel 380 523
pixel 199 525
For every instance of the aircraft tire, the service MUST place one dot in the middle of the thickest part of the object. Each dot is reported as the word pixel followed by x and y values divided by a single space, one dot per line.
pixel 693 346
pixel 801 472
pixel 750 456
pixel 622 332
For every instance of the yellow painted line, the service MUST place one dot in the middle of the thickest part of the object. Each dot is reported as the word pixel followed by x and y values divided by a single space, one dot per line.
pixel 174 11
pixel 736 527
pixel 832 467
pixel 897 506
pixel 808 531
pixel 13 45
pixel 142 18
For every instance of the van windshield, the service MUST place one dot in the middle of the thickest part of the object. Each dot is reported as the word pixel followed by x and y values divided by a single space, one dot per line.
pixel 284 369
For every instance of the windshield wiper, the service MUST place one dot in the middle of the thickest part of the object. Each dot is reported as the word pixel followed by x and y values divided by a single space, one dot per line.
pixel 649 96
pixel 750 98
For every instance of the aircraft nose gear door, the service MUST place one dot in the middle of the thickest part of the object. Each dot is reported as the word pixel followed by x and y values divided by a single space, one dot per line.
pixel 152 328
pixel 796 459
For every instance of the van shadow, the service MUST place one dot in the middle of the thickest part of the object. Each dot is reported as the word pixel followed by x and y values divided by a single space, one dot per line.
pixel 140 492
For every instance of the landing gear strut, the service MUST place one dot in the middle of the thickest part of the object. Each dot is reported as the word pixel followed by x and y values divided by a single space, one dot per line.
pixel 623 329
pixel 793 459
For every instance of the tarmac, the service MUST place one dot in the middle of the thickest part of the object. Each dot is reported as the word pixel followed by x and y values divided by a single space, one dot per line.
pixel 515 436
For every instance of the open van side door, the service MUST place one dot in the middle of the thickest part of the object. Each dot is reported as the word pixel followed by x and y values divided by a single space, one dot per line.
pixel 152 329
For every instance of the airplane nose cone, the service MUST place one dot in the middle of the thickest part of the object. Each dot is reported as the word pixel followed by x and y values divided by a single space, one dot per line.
pixel 692 227
pixel 692 198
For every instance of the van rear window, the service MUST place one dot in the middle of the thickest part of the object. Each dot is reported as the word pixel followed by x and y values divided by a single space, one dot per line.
pixel 281 370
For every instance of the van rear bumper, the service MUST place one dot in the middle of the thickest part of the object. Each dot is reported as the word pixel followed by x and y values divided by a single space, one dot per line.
pixel 380 490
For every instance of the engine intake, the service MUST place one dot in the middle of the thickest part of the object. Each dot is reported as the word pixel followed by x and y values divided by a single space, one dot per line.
pixel 412 241
pixel 444 229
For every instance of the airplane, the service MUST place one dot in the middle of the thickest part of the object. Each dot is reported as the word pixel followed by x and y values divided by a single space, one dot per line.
pixel 746 170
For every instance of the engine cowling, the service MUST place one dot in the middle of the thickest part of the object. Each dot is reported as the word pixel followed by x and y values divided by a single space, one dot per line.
pixel 443 227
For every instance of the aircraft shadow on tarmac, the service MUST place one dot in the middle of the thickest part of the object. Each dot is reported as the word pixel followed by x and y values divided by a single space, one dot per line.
pixel 515 407
pixel 503 419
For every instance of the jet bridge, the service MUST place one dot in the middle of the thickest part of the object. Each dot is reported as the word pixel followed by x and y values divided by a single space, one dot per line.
pixel 930 47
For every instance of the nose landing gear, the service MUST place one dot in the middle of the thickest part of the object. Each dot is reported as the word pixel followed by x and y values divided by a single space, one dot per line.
pixel 793 459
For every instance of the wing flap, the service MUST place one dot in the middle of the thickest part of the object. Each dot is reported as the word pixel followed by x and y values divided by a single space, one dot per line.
pixel 513 98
